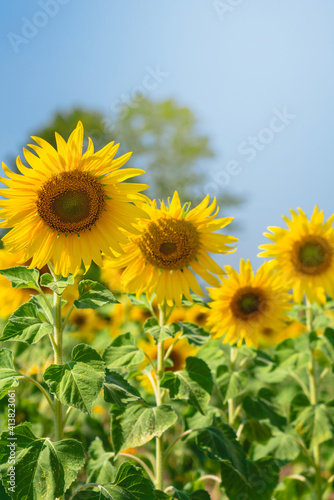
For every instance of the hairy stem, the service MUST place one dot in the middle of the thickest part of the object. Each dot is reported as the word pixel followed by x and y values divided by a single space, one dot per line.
pixel 311 369
pixel 231 402
pixel 159 376
pixel 58 356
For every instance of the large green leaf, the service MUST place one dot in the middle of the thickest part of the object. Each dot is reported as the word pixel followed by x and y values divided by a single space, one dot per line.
pixel 195 383
pixel 137 424
pixel 195 334
pixel 262 408
pixel 78 382
pixel 21 277
pixel 195 495
pixel 290 488
pixel 44 469
pixel 219 443
pixel 231 383
pixel 160 333
pixel 258 483
pixel 123 353
pixel 99 469
pixel 27 324
pixel 93 295
pixel 256 431
pixel 283 446
pixel 130 484
pixel 315 424
pixel 56 286
pixel 8 374
pixel 117 390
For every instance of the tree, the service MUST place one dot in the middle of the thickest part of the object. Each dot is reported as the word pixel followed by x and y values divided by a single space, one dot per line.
pixel 164 141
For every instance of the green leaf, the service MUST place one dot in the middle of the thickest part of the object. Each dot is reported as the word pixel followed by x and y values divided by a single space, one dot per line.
pixel 315 424
pixel 195 334
pixel 258 484
pixel 123 353
pixel 22 277
pixel 26 325
pixel 44 469
pixel 56 286
pixel 160 495
pixel 93 295
pixel 8 374
pixel 99 469
pixel 261 409
pixel 130 484
pixel 232 384
pixel 195 495
pixel 256 431
pixel 141 302
pixel 219 443
pixel 283 446
pixel 196 300
pixel 137 424
pixel 78 382
pixel 195 383
pixel 293 487
pixel 160 333
pixel 118 391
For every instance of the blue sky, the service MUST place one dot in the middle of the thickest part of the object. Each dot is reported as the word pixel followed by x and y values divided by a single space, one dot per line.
pixel 259 76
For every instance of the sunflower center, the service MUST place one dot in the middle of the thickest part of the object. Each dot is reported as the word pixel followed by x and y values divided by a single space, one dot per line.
pixel 248 302
pixel 313 255
pixel 71 202
pixel 169 243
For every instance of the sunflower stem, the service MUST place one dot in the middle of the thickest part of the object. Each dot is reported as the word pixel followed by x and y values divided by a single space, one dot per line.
pixel 159 396
pixel 58 352
pixel 231 402
pixel 311 369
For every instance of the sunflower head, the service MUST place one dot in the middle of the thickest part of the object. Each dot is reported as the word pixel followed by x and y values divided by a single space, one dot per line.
pixel 173 245
pixel 68 206
pixel 249 306
pixel 304 254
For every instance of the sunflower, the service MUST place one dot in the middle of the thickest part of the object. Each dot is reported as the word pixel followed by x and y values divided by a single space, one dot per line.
pixel 248 306
pixel 87 323
pixel 304 253
pixel 173 241
pixel 69 206
pixel 269 336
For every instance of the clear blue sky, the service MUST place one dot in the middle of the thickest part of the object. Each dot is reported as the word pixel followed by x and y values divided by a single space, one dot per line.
pixel 240 65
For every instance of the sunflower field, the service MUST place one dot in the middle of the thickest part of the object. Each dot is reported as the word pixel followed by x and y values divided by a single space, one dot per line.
pixel 122 376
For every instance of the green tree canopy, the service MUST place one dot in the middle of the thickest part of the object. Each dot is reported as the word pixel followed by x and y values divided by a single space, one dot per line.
pixel 165 143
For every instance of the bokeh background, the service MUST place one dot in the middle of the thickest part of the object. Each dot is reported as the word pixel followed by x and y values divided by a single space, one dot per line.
pixel 245 85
